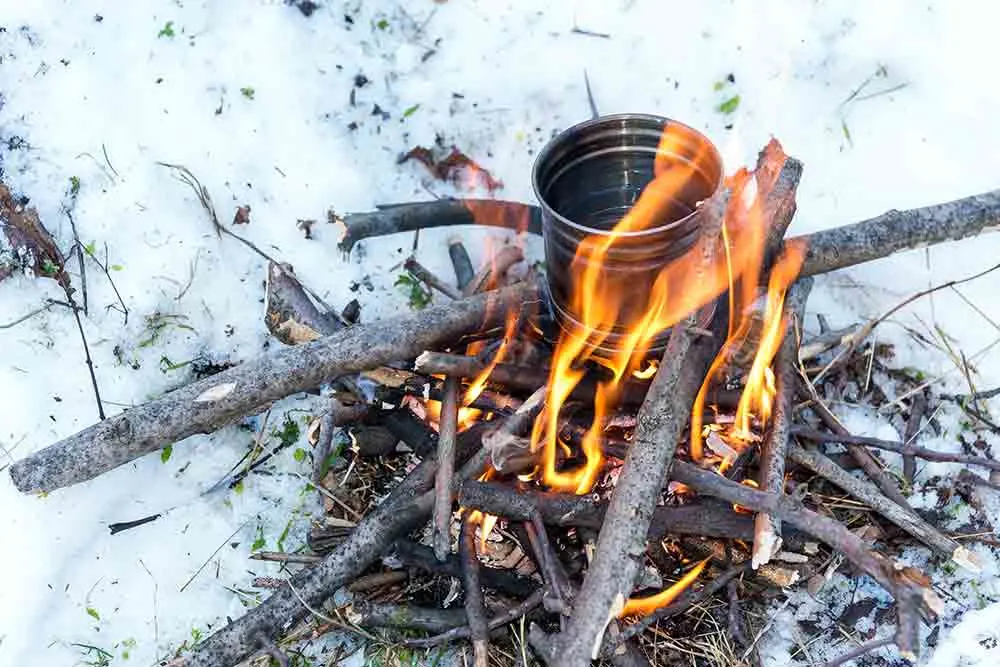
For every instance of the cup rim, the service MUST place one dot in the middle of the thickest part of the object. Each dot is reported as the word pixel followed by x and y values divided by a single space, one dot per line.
pixel 663 121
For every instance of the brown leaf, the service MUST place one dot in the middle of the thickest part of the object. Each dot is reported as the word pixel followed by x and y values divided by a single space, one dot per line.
pixel 242 216
pixel 31 244
pixel 455 167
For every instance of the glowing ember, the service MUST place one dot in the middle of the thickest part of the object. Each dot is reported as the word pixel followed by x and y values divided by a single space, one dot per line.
pixel 479 383
pixel 647 605
pixel 486 521
pixel 646 373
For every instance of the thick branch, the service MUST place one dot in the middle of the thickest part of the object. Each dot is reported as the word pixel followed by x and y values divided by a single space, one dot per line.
pixel 894 231
pixel 206 405
pixel 410 217
pixel 622 541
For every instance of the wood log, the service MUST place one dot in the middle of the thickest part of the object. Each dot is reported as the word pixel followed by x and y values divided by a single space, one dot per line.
pixel 208 404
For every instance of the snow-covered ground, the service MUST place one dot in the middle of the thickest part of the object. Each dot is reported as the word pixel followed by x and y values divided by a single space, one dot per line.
pixel 265 106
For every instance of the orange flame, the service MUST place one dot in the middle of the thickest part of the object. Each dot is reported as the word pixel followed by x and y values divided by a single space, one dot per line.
pixel 759 391
pixel 479 383
pixel 486 521
pixel 758 394
pixel 598 298
pixel 647 605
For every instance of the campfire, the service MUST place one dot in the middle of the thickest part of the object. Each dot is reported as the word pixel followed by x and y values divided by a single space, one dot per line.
pixel 595 451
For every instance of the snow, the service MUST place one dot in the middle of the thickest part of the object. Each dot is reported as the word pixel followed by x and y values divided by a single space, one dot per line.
pixel 253 97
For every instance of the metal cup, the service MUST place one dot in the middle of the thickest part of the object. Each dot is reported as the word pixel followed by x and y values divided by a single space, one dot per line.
pixel 589 176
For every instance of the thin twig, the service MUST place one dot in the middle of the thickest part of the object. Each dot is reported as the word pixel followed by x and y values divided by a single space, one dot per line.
pixel 104 268
pixel 869 326
pixel 507 616
pixel 869 494
pixel 917 409
pixel 892 446
pixel 771 478
pixel 858 452
pixel 38 311
pixel 475 609
pixel 447 432
pixel 429 278
pixel 858 652
pixel 78 247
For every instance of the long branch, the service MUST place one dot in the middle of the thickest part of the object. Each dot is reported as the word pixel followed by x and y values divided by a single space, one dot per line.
pixel 206 405
pixel 828 250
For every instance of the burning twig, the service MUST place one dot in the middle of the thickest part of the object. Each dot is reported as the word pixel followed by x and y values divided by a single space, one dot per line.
pixel 869 494
pixel 690 599
pixel 410 217
pixel 461 262
pixel 909 592
pixel 661 419
pixel 903 448
pixel 448 431
pixel 475 610
pixel 490 275
pixel 767 529
pixel 426 276
pixel 203 406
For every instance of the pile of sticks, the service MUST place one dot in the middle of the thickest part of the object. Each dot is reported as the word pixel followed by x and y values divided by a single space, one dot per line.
pixel 587 554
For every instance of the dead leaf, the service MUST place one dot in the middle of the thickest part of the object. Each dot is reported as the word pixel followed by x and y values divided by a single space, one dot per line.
pixel 455 167
pixel 242 216
pixel 31 244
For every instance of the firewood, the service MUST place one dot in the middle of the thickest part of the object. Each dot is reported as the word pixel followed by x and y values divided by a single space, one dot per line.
pixel 426 276
pixel 410 217
pixel 773 451
pixel 904 448
pixel 911 595
pixel 612 571
pixel 447 433
pixel 404 616
pixel 869 494
pixel 475 609
pixel 409 504
pixel 460 261
pixel 894 231
pixel 208 404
